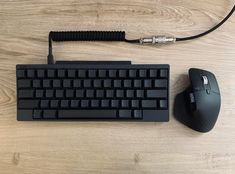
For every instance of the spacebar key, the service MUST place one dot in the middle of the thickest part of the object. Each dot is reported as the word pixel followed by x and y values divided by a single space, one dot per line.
pixel 89 114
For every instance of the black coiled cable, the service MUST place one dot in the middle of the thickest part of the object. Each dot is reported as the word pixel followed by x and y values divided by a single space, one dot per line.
pixel 60 36
pixel 87 36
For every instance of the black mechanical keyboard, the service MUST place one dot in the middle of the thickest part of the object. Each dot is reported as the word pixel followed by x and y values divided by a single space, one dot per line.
pixel 93 91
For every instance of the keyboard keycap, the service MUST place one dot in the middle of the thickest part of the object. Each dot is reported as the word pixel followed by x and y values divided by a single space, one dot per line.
pixel 107 83
pixel 20 73
pixel 51 73
pixel 127 83
pixel 104 103
pixel 139 93
pixel 99 93
pixel 109 93
pixel 87 83
pixel 117 83
pixel 44 104
pixel 24 114
pixel 49 93
pixel 77 83
pixel 28 104
pixel 46 83
pixel 114 103
pixel 39 93
pixel 124 113
pixel 132 73
pixel 26 93
pixel 112 73
pixel 157 93
pixel 95 103
pixel 138 114
pixel 147 83
pixel 24 83
pixel 71 73
pixel 37 83
pixel 163 73
pixel 90 93
pixel 125 103
pixel 149 103
pixel 130 93
pixel 163 104
pixel 56 83
pixel 122 73
pixel 74 103
pixel 82 73
pixel 97 84
pixel 137 83
pixel 49 114
pixel 160 83
pixel 135 104
pixel 157 115
pixel 37 114
pixel 102 73
pixel 41 73
pixel 67 83
pixel 119 93
pixel 87 114
pixel 142 73
pixel 80 93
pixel 54 103
pixel 92 73
pixel 153 73
pixel 30 73
pixel 64 103
pixel 84 103
pixel 59 93
pixel 61 73
pixel 69 93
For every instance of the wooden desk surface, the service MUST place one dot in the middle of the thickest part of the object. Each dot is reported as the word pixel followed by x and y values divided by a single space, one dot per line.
pixel 114 148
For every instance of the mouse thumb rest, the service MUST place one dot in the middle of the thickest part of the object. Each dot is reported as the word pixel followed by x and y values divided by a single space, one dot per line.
pixel 182 109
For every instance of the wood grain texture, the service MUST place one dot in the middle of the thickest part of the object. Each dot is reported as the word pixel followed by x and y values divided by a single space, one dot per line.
pixel 114 148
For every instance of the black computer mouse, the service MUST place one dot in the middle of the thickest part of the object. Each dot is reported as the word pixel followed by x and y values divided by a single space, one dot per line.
pixel 199 105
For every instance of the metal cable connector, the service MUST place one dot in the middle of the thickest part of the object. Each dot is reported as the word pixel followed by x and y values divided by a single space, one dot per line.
pixel 157 40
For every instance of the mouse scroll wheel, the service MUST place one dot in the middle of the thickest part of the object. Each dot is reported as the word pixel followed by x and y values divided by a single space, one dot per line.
pixel 205 80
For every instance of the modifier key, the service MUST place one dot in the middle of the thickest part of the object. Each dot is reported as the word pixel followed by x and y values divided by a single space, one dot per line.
pixel 124 113
pixel 155 115
pixel 24 83
pixel 20 73
pixel 157 93
pixel 49 114
pixel 149 103
pixel 138 114
pixel 23 115
pixel 28 104
pixel 25 93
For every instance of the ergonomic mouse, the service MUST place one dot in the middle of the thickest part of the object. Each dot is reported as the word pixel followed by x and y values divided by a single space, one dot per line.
pixel 199 105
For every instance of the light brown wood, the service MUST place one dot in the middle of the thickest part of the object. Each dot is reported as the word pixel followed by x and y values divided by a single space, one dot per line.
pixel 114 147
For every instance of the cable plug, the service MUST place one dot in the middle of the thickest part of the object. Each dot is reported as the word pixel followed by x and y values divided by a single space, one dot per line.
pixel 157 40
